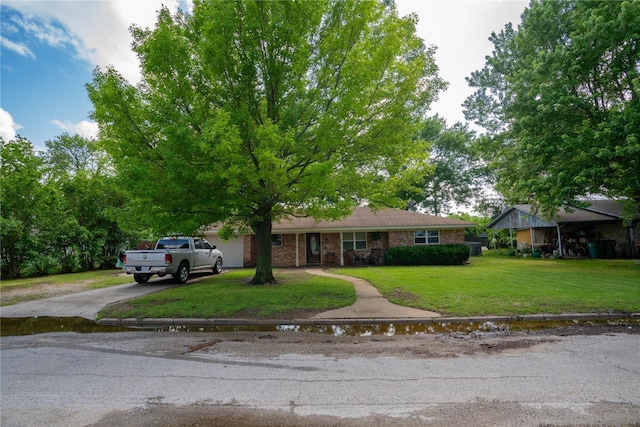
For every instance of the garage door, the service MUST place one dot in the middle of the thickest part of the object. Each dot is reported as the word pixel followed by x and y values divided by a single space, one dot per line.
pixel 231 249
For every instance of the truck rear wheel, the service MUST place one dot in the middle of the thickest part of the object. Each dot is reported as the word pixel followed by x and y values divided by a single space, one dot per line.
pixel 182 275
pixel 217 267
pixel 141 278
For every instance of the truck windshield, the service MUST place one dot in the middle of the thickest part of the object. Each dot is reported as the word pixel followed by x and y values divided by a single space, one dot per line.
pixel 173 244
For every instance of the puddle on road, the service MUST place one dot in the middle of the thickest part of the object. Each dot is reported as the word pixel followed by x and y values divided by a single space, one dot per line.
pixel 12 326
pixel 41 325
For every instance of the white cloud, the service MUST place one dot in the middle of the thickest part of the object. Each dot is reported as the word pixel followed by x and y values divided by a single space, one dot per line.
pixel 85 129
pixel 19 48
pixel 98 31
pixel 8 128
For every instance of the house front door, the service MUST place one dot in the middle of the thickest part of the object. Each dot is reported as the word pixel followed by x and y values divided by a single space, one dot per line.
pixel 313 248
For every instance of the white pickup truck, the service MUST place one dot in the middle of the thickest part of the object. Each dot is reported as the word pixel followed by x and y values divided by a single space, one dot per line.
pixel 178 256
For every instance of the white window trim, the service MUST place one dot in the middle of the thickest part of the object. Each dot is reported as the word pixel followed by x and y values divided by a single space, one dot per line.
pixel 273 245
pixel 353 239
pixel 426 237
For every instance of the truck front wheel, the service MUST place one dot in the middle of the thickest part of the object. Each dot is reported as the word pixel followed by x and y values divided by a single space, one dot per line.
pixel 217 267
pixel 141 278
pixel 182 275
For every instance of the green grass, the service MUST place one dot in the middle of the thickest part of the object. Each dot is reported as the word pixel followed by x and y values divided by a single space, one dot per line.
pixel 489 285
pixel 96 279
pixel 500 285
pixel 229 295
pixel 43 287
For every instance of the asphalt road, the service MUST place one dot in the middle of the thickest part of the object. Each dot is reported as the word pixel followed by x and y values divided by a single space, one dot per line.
pixel 567 377
pixel 288 378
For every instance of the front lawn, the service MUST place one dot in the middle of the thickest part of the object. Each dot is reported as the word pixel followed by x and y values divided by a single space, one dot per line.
pixel 501 285
pixel 297 294
pixel 490 285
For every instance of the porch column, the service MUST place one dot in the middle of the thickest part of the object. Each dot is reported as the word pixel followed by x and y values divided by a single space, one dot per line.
pixel 495 248
pixel 297 252
pixel 532 241
pixel 511 237
pixel 559 241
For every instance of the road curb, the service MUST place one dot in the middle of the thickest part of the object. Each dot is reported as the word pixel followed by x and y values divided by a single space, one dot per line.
pixel 177 322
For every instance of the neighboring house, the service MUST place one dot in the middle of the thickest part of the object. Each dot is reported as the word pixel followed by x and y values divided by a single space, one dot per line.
pixel 573 234
pixel 361 238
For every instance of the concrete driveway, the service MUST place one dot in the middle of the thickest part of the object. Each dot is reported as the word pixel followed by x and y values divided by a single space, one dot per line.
pixel 85 304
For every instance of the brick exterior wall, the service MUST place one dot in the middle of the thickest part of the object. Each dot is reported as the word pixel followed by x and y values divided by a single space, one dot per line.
pixel 331 249
pixel 249 250
pixel 452 237
pixel 405 238
pixel 400 238
pixel 285 255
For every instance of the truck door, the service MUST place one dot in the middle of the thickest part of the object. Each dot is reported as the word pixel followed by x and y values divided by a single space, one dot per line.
pixel 202 252
pixel 208 252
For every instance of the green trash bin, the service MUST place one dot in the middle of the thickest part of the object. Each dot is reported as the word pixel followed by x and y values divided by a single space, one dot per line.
pixel 609 248
pixel 593 249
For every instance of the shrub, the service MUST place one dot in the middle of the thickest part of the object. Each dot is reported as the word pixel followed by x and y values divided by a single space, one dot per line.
pixel 428 255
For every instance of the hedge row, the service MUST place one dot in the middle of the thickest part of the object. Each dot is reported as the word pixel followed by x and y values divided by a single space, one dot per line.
pixel 428 255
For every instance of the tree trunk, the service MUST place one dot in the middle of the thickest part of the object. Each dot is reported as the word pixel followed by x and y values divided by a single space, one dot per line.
pixel 264 266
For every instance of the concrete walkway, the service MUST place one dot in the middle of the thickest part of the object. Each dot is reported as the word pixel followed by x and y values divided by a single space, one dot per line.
pixel 369 303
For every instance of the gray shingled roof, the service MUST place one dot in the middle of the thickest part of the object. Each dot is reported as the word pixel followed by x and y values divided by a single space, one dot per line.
pixel 363 218
pixel 520 216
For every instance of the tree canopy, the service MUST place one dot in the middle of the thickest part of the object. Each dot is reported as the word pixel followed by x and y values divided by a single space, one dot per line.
pixel 57 208
pixel 251 111
pixel 458 176
pixel 560 100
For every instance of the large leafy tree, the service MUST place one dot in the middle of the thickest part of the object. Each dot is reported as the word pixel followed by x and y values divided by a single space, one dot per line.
pixel 560 100
pixel 458 175
pixel 250 111
pixel 85 232
pixel 20 202
pixel 58 208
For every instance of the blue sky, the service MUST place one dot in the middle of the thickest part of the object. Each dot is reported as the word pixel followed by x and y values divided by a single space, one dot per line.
pixel 42 85
pixel 49 49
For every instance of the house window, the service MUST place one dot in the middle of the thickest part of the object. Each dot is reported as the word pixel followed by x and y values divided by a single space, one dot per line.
pixel 276 240
pixel 354 241
pixel 426 237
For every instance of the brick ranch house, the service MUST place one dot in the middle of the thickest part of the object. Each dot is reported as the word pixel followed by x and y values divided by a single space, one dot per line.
pixel 360 238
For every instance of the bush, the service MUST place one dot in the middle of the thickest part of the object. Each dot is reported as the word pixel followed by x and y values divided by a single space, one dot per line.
pixel 428 255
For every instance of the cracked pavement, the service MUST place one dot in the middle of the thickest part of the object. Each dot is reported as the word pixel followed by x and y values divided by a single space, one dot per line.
pixel 288 378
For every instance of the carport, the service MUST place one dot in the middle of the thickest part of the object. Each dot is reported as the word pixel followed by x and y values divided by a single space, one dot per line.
pixel 596 231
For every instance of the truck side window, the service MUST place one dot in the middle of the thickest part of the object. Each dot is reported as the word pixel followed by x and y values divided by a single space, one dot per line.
pixel 206 245
pixel 197 243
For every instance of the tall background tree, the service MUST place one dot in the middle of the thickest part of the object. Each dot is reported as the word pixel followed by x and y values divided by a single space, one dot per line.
pixel 20 202
pixel 58 208
pixel 87 228
pixel 251 111
pixel 458 177
pixel 560 101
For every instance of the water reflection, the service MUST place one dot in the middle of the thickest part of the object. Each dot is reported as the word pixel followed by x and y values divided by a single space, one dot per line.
pixel 39 325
